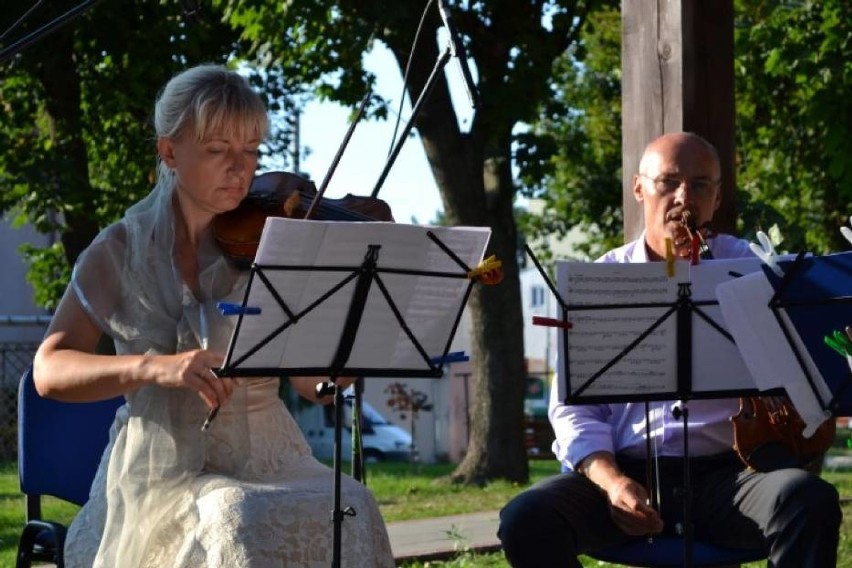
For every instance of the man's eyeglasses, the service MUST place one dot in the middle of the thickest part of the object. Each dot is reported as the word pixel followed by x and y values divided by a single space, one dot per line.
pixel 665 184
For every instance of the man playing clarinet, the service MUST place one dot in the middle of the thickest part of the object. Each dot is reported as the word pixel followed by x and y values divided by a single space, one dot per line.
pixel 602 499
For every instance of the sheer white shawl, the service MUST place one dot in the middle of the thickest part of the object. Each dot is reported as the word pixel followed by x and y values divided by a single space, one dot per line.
pixel 128 282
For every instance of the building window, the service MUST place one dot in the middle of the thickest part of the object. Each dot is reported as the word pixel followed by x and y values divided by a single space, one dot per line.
pixel 537 296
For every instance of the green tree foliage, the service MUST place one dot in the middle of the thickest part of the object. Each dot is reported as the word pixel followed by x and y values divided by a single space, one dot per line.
pixel 793 62
pixel 794 124
pixel 572 156
pixel 77 142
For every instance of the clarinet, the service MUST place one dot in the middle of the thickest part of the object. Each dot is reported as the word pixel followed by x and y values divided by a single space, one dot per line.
pixel 688 221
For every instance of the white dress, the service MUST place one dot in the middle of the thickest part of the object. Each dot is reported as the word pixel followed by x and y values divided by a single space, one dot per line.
pixel 246 493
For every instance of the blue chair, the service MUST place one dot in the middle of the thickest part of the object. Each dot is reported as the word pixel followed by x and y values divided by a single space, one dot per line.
pixel 59 449
pixel 664 552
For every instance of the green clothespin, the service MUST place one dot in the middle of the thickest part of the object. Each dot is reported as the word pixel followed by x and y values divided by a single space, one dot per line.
pixel 839 347
pixel 844 340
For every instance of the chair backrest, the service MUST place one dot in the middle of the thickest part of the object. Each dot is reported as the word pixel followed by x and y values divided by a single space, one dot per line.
pixel 60 443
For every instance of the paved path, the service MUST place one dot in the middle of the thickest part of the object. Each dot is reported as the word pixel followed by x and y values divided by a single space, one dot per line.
pixel 438 538
pixel 441 537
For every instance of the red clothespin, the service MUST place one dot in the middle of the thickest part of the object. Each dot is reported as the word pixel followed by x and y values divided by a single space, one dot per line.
pixel 551 322
pixel 696 249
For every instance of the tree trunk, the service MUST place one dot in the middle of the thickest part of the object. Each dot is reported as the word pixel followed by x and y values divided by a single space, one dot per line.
pixel 56 69
pixel 496 446
pixel 473 173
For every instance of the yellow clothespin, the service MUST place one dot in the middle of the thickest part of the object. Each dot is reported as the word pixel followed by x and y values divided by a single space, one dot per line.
pixel 670 258
pixel 489 271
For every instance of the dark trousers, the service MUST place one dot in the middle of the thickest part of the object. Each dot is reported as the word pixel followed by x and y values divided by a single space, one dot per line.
pixel 792 514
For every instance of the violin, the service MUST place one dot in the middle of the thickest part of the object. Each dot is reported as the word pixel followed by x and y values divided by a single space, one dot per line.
pixel 284 194
pixel 768 434
pixel 768 431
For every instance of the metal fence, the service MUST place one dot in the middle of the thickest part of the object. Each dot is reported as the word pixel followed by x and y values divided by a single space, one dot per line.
pixel 15 358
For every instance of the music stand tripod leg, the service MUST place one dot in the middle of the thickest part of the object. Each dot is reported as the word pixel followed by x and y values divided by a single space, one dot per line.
pixel 683 413
pixel 337 513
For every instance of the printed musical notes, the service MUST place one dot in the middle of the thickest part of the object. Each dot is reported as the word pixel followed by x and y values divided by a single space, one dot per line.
pixel 610 351
pixel 623 343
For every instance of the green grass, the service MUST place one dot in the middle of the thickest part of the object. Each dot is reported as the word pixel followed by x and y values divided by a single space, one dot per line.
pixel 841 480
pixel 12 512
pixel 406 491
pixel 403 491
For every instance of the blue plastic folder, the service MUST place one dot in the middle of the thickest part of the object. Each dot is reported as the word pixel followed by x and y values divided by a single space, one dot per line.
pixel 816 295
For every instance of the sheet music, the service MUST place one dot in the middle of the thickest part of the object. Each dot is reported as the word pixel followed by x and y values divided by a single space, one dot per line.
pixel 428 304
pixel 598 336
pixel 717 364
pixel 650 368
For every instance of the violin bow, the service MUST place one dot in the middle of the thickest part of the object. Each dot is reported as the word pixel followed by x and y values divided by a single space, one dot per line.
pixel 339 154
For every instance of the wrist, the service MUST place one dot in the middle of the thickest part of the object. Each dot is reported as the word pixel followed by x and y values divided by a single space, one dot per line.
pixel 600 468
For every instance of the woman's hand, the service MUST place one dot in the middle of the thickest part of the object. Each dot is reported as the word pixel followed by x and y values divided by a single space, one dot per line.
pixel 193 370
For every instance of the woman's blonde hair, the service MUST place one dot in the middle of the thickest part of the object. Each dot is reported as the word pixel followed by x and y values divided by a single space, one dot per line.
pixel 209 99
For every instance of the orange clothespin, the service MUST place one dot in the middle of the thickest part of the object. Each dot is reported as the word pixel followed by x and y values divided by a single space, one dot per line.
pixel 670 258
pixel 489 271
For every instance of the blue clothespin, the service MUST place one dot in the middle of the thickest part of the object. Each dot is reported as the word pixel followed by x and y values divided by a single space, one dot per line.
pixel 453 357
pixel 228 309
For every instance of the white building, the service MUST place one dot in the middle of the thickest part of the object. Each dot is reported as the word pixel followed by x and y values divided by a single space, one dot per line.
pixel 19 315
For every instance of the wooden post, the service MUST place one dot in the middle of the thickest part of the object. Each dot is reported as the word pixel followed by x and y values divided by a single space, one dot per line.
pixel 677 74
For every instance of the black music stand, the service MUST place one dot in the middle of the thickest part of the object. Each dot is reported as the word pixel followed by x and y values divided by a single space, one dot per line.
pixel 684 311
pixel 359 290
pixel 780 323
pixel 811 300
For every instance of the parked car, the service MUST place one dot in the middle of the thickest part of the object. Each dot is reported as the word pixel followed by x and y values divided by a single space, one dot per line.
pixel 538 433
pixel 381 440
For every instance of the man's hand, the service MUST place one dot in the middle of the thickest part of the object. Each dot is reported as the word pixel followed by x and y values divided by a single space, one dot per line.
pixel 628 500
pixel 630 510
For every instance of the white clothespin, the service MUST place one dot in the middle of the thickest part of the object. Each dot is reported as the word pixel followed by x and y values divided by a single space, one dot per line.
pixel 846 231
pixel 766 252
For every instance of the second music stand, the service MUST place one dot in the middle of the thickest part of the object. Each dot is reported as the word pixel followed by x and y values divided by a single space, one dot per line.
pixel 287 321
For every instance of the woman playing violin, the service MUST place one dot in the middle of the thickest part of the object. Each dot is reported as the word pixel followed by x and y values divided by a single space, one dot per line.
pixel 605 497
pixel 245 492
